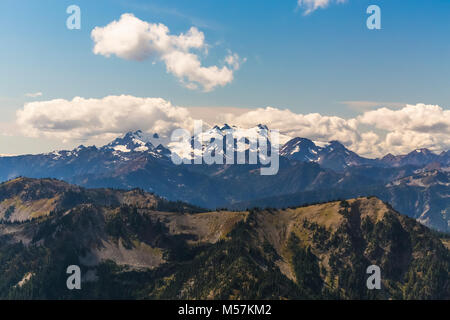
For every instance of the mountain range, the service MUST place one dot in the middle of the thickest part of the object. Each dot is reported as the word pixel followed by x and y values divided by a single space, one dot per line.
pixel 309 172
pixel 130 244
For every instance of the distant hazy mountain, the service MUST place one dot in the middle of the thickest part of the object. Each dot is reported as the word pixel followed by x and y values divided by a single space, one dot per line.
pixel 336 156
pixel 134 245
pixel 419 157
pixel 333 155
pixel 138 145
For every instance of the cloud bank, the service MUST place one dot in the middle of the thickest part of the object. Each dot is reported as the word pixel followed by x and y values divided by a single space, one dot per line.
pixel 310 6
pixel 133 39
pixel 373 133
pixel 422 126
pixel 87 119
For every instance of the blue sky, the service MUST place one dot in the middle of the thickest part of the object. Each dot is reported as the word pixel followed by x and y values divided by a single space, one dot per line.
pixel 306 63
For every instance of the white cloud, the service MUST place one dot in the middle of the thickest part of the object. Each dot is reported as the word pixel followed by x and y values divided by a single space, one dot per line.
pixel 414 126
pixel 34 94
pixel 373 134
pixel 313 126
pixel 310 6
pixel 133 39
pixel 419 118
pixel 86 119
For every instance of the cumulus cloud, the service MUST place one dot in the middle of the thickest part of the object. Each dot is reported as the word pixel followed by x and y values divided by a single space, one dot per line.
pixel 374 133
pixel 419 118
pixel 310 6
pixel 417 126
pixel 133 39
pixel 86 119
pixel 313 126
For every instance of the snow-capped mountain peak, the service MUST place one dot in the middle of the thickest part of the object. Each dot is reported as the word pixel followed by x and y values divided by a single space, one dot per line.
pixel 137 141
pixel 209 141
pixel 333 155
pixel 301 149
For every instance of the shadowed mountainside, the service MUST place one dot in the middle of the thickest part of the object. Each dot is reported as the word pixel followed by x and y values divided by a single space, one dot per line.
pixel 134 245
